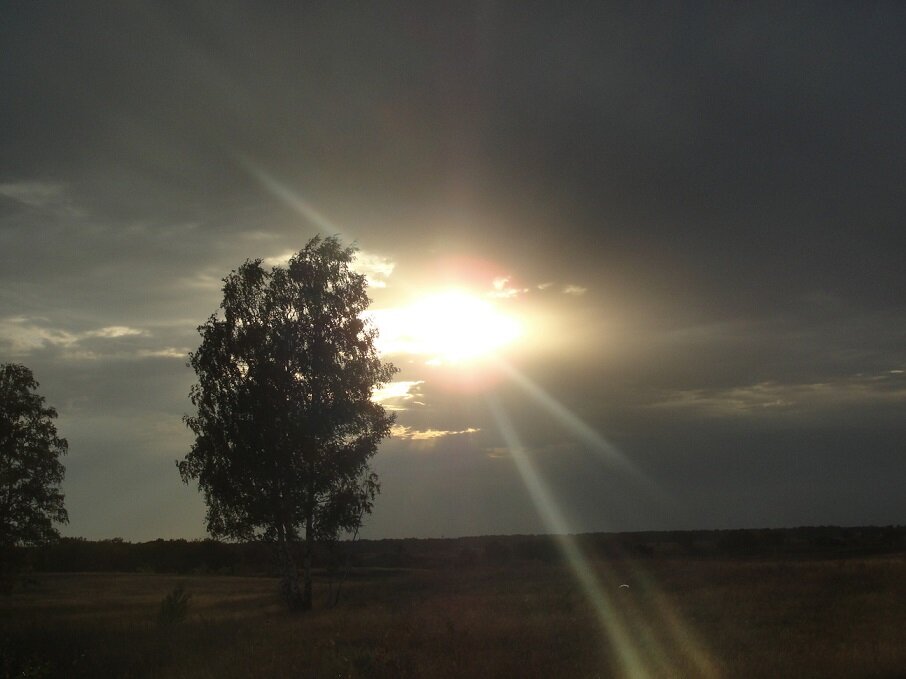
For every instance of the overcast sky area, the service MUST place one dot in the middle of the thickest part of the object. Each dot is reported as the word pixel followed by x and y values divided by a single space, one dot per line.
pixel 694 213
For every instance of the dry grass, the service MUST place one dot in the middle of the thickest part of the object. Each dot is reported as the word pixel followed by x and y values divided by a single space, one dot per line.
pixel 682 618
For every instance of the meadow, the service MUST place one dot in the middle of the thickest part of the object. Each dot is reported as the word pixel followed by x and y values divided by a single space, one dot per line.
pixel 682 617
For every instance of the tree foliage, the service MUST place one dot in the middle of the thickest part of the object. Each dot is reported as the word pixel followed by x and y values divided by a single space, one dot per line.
pixel 30 467
pixel 285 425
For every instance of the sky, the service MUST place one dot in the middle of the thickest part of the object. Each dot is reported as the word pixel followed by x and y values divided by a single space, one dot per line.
pixel 640 264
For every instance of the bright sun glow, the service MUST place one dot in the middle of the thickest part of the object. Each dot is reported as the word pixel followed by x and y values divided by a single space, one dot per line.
pixel 452 326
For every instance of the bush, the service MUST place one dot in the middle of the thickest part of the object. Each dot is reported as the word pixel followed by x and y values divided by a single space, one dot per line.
pixel 174 607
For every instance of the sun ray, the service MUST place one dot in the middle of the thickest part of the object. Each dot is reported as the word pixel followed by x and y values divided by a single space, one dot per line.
pixel 555 523
pixel 291 198
pixel 603 448
pixel 633 661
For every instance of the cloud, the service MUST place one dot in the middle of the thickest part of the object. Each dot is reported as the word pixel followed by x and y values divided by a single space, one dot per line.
pixel 33 194
pixel 166 352
pixel 114 331
pixel 394 395
pixel 497 452
pixel 376 268
pixel 574 290
pixel 411 434
pixel 398 330
pixel 279 260
pixel 50 196
pixel 24 335
pixel 776 398
pixel 259 235
pixel 203 280
pixel 503 289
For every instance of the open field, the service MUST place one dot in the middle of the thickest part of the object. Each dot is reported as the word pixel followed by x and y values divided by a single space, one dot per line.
pixel 680 617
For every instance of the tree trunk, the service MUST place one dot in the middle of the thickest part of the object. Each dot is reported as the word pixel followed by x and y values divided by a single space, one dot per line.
pixel 336 600
pixel 289 574
pixel 306 564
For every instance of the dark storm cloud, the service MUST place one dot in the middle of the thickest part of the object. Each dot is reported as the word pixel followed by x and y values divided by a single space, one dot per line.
pixel 725 181
pixel 754 147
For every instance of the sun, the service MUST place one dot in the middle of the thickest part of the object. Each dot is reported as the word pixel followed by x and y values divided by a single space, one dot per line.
pixel 456 326
pixel 448 327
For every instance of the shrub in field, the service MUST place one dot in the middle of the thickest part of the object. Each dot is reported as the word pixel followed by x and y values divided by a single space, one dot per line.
pixel 174 607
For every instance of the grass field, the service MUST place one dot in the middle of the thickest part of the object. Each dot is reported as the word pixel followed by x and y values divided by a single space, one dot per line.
pixel 682 618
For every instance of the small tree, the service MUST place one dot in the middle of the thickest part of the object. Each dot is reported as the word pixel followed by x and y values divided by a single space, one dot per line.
pixel 30 468
pixel 285 425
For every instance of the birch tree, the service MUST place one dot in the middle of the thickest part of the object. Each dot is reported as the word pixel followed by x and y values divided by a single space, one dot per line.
pixel 284 425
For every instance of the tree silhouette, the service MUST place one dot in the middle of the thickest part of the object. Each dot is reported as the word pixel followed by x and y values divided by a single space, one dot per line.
pixel 30 468
pixel 285 425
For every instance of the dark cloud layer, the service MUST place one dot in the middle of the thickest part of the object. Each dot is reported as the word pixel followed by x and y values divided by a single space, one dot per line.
pixel 726 182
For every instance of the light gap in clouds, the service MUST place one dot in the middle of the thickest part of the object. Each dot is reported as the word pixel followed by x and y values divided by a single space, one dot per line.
pixel 113 331
pixel 394 395
pixel 404 432
pixel 279 260
pixel 167 352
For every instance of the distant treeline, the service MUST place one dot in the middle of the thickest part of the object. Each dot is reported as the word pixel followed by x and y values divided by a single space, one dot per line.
pixel 210 556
